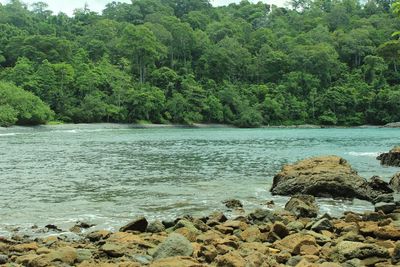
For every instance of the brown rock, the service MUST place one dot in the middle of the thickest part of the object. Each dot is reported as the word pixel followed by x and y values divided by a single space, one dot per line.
pixel 251 234
pixel 66 255
pixel 392 158
pixel 352 217
pixel 231 259
pixel 98 235
pixel 279 229
pixel 139 224
pixel 176 262
pixel 309 250
pixel 25 247
pixel 302 206
pixel 347 250
pixel 208 252
pixel 293 243
pixel 395 182
pixel 388 232
pixel 322 176
pixel 235 225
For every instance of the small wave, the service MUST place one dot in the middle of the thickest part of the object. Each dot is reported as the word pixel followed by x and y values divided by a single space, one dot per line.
pixel 364 154
pixel 8 134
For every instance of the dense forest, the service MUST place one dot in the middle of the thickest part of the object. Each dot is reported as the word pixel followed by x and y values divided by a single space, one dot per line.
pixel 330 62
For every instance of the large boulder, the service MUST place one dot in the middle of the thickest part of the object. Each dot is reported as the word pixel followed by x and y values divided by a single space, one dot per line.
pixel 392 158
pixel 174 245
pixel 325 176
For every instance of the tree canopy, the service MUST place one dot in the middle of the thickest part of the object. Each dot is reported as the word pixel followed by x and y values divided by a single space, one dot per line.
pixel 173 61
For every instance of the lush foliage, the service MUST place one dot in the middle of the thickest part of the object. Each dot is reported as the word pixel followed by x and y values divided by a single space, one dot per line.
pixel 22 107
pixel 322 62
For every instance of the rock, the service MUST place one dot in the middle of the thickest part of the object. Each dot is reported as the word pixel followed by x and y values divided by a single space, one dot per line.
pixel 176 262
pixel 113 249
pixel 217 217
pixel 326 176
pixel 293 243
pixel 393 125
pixel 396 254
pixel 384 198
pixel 293 261
pixel 231 259
pixel 395 182
pixel 280 230
pixel 66 255
pixel 83 255
pixel 347 250
pixel 233 204
pixel 3 259
pixel 208 252
pixel 261 216
pixel 98 235
pixel 25 247
pixel 174 245
pixel 377 184
pixel 302 206
pixel 392 158
pixel 155 227
pixel 295 226
pixel 387 232
pixel 385 207
pixel 251 234
pixel 323 224
pixel 139 224
pixel 52 227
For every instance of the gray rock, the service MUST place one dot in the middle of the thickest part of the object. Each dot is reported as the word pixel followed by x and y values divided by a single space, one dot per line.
pixel 395 182
pixel 155 227
pixel 396 254
pixel 385 207
pixel 347 250
pixel 384 198
pixel 261 215
pixel 295 226
pixel 139 224
pixel 83 255
pixel 302 206
pixel 143 259
pixel 113 249
pixel 174 245
pixel 293 261
pixel 323 224
pixel 3 259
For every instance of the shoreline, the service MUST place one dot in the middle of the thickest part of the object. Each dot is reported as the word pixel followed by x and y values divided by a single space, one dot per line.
pixel 264 236
pixel 200 126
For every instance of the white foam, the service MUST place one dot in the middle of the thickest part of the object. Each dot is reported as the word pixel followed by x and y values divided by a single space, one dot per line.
pixel 8 134
pixel 364 154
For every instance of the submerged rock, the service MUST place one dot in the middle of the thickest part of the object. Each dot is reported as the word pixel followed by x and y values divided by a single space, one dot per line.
pixel 326 176
pixel 302 206
pixel 392 158
pixel 233 204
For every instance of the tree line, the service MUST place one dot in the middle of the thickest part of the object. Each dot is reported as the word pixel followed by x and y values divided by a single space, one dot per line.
pixel 330 62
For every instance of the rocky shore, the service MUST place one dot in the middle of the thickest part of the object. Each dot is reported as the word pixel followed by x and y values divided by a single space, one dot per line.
pixel 296 235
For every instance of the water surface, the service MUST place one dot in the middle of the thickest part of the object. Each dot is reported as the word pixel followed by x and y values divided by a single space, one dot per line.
pixel 107 174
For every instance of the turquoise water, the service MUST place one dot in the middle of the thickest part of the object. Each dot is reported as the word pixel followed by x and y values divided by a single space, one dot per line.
pixel 107 174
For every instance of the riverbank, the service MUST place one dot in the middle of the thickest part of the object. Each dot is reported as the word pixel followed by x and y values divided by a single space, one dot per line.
pixel 263 237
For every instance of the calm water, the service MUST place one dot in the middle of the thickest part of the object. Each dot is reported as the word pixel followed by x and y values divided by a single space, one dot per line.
pixel 107 174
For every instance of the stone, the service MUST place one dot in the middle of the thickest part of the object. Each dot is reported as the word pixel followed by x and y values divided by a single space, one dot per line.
pixel 293 261
pixel 385 207
pixel 323 224
pixel 302 206
pixel 379 186
pixel 295 226
pixel 3 259
pixel 395 182
pixel 67 255
pixel 83 255
pixel 261 215
pixel 292 243
pixel 352 217
pixel 174 245
pixel 387 232
pixel 113 249
pixel 309 250
pixel 347 250
pixel 231 259
pixel 25 247
pixel 280 230
pixel 396 254
pixel 392 158
pixel 233 204
pixel 155 227
pixel 326 176
pixel 384 198
pixel 98 235
pixel 176 262
pixel 208 252
pixel 218 217
pixel 251 234
pixel 139 224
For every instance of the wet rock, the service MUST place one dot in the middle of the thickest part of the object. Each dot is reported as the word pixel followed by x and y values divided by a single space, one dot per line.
pixel 3 259
pixel 293 243
pixel 384 198
pixel 379 186
pixel 327 176
pixel 79 226
pixel 155 227
pixel 323 224
pixel 293 261
pixel 113 249
pixel 217 217
pixel 385 207
pixel 392 158
pixel 139 224
pixel 174 245
pixel 395 182
pixel 347 250
pixel 52 227
pixel 302 206
pixel 233 204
